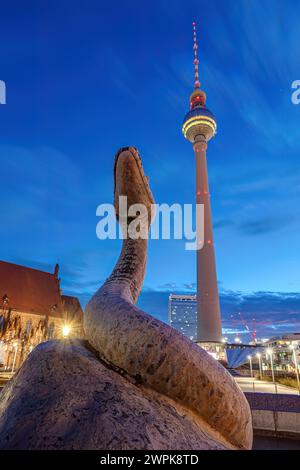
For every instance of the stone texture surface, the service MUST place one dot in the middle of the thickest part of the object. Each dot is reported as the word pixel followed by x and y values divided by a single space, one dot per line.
pixel 64 397
pixel 156 354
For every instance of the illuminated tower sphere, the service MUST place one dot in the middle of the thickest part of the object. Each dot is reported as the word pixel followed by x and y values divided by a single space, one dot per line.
pixel 199 126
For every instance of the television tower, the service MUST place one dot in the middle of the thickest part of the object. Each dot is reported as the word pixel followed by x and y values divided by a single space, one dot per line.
pixel 199 126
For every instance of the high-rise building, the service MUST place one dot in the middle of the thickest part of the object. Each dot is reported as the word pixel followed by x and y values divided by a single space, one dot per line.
pixel 199 126
pixel 183 314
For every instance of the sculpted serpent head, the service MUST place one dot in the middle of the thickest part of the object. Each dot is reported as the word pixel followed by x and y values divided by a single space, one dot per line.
pixel 130 181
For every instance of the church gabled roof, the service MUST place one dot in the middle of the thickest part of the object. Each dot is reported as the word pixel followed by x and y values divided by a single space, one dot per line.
pixel 30 290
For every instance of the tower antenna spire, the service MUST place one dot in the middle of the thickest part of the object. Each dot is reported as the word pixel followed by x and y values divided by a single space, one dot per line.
pixel 196 61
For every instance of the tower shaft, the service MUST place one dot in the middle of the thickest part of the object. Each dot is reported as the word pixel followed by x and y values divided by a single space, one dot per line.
pixel 208 308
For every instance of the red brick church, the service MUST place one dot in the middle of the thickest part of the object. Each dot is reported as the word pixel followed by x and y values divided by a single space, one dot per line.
pixel 33 310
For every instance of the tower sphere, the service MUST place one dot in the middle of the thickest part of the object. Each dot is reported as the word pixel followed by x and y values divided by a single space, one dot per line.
pixel 199 121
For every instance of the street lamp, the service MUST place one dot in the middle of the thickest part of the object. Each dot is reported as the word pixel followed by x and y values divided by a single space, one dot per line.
pixel 258 355
pixel 66 331
pixel 270 353
pixel 292 347
pixel 250 362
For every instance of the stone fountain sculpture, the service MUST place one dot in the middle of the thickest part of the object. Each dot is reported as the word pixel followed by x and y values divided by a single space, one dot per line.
pixel 135 383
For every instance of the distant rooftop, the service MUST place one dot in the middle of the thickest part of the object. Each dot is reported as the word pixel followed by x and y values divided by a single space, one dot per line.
pixel 286 337
pixel 182 297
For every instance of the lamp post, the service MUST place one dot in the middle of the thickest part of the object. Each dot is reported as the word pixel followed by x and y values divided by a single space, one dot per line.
pixel 258 355
pixel 250 362
pixel 270 353
pixel 296 365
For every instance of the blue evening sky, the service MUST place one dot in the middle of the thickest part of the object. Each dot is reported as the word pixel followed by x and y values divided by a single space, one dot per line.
pixel 87 77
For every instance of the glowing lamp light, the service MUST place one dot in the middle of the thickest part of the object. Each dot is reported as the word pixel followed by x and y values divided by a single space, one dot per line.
pixel 258 355
pixel 269 351
pixel 66 331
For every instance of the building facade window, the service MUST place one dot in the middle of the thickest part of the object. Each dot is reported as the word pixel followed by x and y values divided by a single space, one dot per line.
pixel 28 327
pixel 51 331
